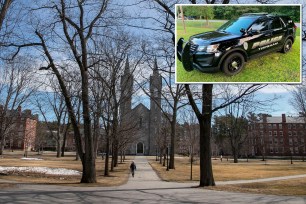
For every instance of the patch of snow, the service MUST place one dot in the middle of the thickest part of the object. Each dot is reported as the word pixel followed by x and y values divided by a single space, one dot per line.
pixel 42 170
pixel 26 158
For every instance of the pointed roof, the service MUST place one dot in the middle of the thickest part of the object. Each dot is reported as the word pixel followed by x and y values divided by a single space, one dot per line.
pixel 155 68
pixel 141 107
pixel 127 66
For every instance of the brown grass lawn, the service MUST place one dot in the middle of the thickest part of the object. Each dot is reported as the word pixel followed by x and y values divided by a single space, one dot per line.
pixel 295 187
pixel 118 177
pixel 227 170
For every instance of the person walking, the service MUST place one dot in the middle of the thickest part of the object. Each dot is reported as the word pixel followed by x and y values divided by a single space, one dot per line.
pixel 133 168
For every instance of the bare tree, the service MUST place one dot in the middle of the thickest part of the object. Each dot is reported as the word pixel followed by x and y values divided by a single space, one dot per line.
pixel 16 87
pixel 204 117
pixel 298 100
pixel 75 31
pixel 54 101
pixel 113 65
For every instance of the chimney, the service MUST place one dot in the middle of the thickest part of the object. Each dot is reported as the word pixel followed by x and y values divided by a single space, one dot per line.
pixel 283 118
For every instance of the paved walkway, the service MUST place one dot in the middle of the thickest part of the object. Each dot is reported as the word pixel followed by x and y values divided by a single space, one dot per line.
pixel 145 187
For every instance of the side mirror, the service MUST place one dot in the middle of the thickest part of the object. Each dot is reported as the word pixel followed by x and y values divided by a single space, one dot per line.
pixel 243 31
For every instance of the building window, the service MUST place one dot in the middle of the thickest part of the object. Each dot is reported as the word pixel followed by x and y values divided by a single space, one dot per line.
pixel 274 126
pixel 294 126
pixel 274 133
pixel 289 133
pixel 280 126
pixel 275 141
pixel 276 150
pixel 271 149
pixel 281 150
pixel 294 133
pixel 301 126
pixel 269 126
pixel 261 126
pixel 291 150
pixel 19 144
pixel 290 141
pixel 281 141
pixel 270 141
pixel 281 133
pixel 302 140
pixel 295 141
pixel 270 133
pixel 289 126
pixel 296 150
pixel 261 133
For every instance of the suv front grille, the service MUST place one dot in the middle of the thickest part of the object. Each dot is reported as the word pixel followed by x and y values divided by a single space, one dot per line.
pixel 193 48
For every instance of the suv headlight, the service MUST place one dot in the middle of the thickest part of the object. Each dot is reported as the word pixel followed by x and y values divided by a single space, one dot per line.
pixel 212 48
pixel 201 48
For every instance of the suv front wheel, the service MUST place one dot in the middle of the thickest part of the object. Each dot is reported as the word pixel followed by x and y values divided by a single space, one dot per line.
pixel 233 64
pixel 287 46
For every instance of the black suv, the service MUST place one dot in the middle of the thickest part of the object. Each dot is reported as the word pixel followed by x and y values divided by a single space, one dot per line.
pixel 237 41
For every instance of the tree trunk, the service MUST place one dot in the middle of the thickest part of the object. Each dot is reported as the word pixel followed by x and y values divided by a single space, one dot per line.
pixel 88 159
pixel 96 132
pixel 58 148
pixel 64 139
pixel 235 155
pixel 164 161
pixel 173 134
pixel 116 154
pixel 160 157
pixel 106 169
pixel 206 173
pixel 112 162
pixel 172 149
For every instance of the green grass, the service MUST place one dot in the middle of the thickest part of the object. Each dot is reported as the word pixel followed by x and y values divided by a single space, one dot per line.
pixel 273 67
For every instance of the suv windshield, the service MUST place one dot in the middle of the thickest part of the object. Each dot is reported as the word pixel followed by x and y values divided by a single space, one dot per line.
pixel 234 26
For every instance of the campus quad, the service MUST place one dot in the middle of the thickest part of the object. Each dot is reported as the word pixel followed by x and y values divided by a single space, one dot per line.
pixel 229 47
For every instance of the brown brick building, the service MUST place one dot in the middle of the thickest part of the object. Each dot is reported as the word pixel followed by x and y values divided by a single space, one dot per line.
pixel 21 131
pixel 277 136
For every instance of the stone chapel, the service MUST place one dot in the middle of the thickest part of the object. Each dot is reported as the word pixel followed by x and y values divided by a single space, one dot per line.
pixel 145 122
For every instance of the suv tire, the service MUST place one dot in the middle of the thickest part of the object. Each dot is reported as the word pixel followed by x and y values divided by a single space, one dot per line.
pixel 287 46
pixel 233 64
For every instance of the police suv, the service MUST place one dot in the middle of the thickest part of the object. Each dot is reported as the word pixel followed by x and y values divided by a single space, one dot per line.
pixel 237 41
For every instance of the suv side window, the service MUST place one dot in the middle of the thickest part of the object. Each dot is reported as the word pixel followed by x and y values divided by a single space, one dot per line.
pixel 260 25
pixel 276 24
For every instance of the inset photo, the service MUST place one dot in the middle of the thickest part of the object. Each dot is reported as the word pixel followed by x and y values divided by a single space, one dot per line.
pixel 238 44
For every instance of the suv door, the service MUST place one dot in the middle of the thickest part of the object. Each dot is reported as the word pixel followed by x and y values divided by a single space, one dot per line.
pixel 260 33
pixel 278 32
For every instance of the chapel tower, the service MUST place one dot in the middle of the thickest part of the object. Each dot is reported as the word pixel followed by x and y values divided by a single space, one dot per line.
pixel 155 108
pixel 126 91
